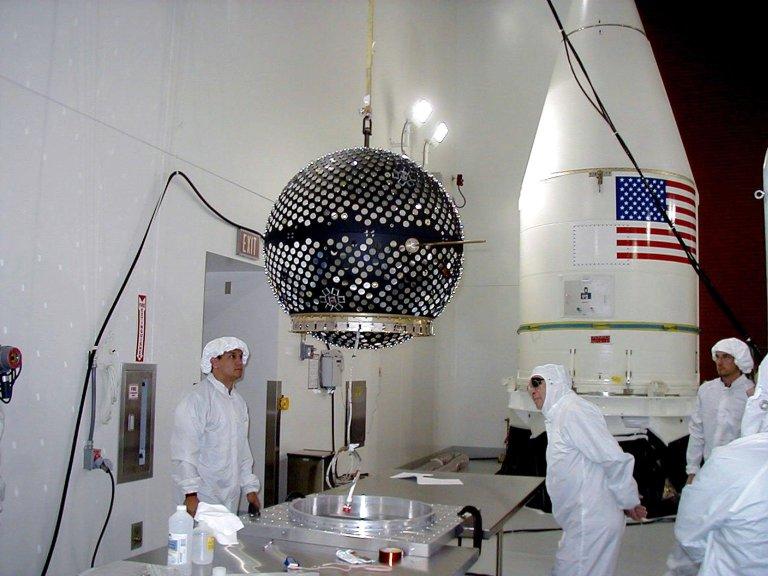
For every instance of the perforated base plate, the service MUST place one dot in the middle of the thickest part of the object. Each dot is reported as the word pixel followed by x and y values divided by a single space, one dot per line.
pixel 275 523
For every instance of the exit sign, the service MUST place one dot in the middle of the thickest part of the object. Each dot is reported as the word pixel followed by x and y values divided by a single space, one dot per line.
pixel 248 244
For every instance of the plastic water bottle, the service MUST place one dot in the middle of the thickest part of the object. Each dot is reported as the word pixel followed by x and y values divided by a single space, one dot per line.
pixel 180 526
pixel 202 545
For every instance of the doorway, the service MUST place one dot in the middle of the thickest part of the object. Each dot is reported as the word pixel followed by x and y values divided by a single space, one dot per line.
pixel 239 302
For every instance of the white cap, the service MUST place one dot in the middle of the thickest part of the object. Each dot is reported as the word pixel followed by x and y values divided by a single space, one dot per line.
pixel 219 571
pixel 740 352
pixel 217 347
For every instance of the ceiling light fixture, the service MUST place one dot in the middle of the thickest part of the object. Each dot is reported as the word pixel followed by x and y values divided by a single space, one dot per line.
pixel 420 113
pixel 441 131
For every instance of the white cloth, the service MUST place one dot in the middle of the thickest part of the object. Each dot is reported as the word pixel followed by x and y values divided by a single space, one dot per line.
pixel 742 357
pixel 219 520
pixel 716 420
pixel 680 564
pixel 755 417
pixel 219 346
pixel 722 520
pixel 589 479
pixel 210 453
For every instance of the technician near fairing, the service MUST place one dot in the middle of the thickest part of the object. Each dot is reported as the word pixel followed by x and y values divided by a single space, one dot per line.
pixel 589 477
pixel 722 520
pixel 715 421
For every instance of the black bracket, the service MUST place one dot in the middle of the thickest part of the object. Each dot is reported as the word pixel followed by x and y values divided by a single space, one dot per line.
pixel 477 526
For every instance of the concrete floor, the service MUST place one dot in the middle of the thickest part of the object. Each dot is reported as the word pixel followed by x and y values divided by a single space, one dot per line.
pixel 644 548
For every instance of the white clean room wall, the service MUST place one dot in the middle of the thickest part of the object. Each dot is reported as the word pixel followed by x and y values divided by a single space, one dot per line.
pixel 101 101
pixel 505 52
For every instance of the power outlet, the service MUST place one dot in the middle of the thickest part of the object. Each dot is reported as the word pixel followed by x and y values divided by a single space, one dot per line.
pixel 137 535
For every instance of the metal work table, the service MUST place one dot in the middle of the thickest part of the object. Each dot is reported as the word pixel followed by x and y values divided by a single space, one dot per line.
pixel 498 497
pixel 254 555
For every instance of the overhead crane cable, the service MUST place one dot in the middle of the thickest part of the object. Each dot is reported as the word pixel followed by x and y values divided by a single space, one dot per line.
pixel 367 110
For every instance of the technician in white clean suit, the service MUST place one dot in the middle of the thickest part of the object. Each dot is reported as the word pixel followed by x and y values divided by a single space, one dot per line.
pixel 722 520
pixel 720 403
pixel 716 421
pixel 211 457
pixel 589 477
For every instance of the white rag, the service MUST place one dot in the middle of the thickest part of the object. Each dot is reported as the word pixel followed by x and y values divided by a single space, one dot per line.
pixel 221 522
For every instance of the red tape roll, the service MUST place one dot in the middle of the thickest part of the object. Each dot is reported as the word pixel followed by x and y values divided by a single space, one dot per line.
pixel 390 556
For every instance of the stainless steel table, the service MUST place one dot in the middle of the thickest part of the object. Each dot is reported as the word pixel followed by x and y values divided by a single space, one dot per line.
pixel 253 555
pixel 498 497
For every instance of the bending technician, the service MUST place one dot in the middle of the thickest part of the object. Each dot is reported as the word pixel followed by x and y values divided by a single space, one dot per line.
pixel 722 520
pixel 210 455
pixel 589 477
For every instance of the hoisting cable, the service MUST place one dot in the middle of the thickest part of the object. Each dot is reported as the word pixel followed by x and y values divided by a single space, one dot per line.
pixel 597 104
pixel 367 110
pixel 92 352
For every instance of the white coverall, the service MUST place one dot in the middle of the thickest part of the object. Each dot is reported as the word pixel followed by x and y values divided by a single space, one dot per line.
pixel 209 447
pixel 589 479
pixel 722 520
pixel 716 419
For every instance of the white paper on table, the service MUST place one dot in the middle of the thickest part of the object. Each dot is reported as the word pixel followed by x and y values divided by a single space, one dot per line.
pixel 427 479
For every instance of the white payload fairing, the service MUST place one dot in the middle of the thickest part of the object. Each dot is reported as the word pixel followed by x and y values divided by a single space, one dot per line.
pixel 605 288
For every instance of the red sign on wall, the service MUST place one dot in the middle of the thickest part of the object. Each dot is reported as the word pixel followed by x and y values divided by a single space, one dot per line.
pixel 247 244
pixel 600 339
pixel 141 329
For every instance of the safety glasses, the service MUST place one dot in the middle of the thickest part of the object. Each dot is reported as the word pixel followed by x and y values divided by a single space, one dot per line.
pixel 536 381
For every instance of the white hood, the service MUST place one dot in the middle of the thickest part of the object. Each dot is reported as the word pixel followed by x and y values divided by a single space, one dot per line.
pixel 558 384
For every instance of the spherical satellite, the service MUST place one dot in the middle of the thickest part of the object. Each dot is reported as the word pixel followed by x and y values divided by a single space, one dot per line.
pixel 358 249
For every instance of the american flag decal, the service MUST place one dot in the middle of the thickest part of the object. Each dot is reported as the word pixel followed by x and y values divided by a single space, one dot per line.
pixel 641 233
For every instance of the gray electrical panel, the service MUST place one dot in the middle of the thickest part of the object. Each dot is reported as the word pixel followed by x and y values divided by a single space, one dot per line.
pixel 355 411
pixel 272 443
pixel 137 415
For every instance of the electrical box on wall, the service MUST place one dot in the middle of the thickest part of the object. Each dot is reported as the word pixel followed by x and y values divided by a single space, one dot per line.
pixel 331 367
pixel 137 411
pixel 355 412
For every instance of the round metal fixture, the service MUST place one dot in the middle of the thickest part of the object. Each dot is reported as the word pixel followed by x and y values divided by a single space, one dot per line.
pixel 368 516
pixel 363 249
